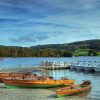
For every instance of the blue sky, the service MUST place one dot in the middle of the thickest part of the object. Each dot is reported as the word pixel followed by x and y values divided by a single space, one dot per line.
pixel 37 22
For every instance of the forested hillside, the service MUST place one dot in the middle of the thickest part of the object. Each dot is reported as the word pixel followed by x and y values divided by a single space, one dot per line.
pixel 81 48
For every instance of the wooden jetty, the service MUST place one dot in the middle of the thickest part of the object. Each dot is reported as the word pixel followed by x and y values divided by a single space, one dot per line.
pixel 54 65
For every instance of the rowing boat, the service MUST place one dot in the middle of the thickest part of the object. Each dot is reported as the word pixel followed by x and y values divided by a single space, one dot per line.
pixel 4 75
pixel 74 89
pixel 36 83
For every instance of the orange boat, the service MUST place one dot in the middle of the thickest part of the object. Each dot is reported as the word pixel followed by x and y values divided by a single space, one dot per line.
pixel 4 75
pixel 74 89
pixel 38 82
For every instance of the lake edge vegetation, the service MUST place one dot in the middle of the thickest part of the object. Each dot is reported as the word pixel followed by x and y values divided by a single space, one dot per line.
pixel 80 48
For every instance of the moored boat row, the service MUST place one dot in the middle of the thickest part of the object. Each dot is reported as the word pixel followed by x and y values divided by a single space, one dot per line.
pixel 29 80
pixel 85 66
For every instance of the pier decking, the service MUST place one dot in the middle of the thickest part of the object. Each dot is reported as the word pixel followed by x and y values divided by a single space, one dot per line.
pixel 78 66
pixel 54 65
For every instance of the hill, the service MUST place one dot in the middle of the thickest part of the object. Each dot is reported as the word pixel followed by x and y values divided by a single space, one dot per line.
pixel 80 48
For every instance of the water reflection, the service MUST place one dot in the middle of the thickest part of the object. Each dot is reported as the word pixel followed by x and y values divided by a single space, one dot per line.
pixel 79 76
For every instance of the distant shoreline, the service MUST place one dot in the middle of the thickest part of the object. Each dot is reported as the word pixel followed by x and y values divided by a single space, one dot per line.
pixel 81 48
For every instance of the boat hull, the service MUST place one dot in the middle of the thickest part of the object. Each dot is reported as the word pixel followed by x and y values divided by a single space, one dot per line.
pixel 80 68
pixel 96 69
pixel 33 86
pixel 36 83
pixel 72 67
pixel 66 92
pixel 89 69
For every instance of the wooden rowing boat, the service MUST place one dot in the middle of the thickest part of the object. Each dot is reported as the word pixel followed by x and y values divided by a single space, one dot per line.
pixel 36 82
pixel 4 75
pixel 74 89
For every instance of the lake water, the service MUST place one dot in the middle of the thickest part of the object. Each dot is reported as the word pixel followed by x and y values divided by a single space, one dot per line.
pixel 78 76
pixel 29 62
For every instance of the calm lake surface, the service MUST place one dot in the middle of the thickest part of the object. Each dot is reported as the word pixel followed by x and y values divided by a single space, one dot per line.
pixel 78 76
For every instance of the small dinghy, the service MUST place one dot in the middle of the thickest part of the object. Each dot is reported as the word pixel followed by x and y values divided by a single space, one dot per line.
pixel 74 89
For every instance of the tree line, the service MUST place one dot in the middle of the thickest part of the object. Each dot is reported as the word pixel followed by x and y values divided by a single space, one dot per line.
pixel 30 52
pixel 82 48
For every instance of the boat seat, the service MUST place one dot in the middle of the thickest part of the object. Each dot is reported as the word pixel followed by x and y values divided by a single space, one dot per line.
pixel 86 83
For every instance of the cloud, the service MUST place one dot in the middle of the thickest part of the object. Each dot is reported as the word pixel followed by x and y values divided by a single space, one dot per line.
pixel 46 24
pixel 7 20
pixel 44 8
pixel 49 21
pixel 29 38
pixel 23 9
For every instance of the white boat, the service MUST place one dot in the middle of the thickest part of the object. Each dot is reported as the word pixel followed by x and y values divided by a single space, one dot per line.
pixel 97 68
pixel 81 66
pixel 73 65
pixel 89 67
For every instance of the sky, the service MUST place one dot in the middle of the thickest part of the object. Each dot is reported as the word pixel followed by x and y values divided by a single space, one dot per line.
pixel 38 22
